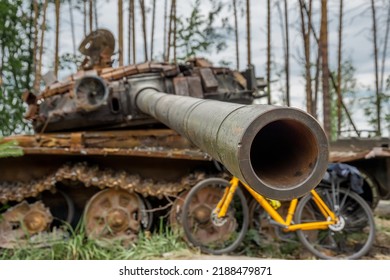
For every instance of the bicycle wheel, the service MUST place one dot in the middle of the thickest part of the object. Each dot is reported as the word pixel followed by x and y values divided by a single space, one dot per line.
pixel 351 238
pixel 203 229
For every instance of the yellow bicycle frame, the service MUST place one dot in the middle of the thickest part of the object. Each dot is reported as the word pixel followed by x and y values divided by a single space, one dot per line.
pixel 330 217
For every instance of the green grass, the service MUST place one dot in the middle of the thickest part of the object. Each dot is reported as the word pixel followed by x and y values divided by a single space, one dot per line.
pixel 77 247
pixel 161 244
pixel 164 243
pixel 264 246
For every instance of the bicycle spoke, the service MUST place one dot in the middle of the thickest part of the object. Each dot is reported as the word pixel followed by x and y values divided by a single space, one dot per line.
pixel 344 201
pixel 353 234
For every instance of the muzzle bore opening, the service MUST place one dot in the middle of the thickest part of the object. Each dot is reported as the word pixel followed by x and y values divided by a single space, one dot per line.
pixel 284 153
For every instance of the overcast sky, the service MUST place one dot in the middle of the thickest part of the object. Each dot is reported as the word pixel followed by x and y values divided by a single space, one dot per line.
pixel 357 37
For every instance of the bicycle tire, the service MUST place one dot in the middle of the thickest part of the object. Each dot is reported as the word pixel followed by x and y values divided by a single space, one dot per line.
pixel 222 239
pixel 352 241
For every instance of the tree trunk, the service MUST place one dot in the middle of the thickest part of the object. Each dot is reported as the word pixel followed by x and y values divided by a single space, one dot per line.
pixel 385 50
pixel 269 51
pixel 31 42
pixel 72 28
pixel 129 34
pixel 174 31
pixel 165 30
pixel 143 14
pixel 348 115
pixel 248 30
pixel 308 52
pixel 325 68
pixel 306 43
pixel 36 28
pixel 170 30
pixel 96 14
pixel 283 33
pixel 236 34
pixel 287 58
pixel 2 55
pixel 377 94
pixel 132 5
pixel 316 83
pixel 339 95
pixel 120 32
pixel 90 16
pixel 56 61
pixel 152 35
pixel 85 17
pixel 42 40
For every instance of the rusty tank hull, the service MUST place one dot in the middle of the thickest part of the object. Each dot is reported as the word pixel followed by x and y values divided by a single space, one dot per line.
pixel 119 147
pixel 75 173
pixel 371 156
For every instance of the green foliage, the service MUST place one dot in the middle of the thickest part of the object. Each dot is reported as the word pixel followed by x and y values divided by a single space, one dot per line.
pixel 15 63
pixel 200 33
pixel 370 110
pixel 70 61
pixel 10 149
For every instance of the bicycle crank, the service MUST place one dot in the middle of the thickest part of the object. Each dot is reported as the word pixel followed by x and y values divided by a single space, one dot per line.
pixel 218 221
pixel 339 226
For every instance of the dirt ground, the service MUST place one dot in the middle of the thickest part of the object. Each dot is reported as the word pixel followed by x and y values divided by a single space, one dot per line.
pixel 381 249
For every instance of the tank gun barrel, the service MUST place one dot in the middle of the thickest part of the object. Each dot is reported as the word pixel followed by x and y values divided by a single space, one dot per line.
pixel 281 152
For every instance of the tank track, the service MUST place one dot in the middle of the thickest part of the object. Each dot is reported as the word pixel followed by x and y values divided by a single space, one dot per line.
pixel 92 175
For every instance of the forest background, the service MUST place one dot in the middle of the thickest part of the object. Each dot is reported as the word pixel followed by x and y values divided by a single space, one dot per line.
pixel 326 57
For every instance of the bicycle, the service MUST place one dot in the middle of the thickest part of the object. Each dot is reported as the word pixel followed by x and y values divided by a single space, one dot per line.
pixel 331 222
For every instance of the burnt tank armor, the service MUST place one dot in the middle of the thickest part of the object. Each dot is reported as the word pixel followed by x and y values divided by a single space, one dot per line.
pixel 111 143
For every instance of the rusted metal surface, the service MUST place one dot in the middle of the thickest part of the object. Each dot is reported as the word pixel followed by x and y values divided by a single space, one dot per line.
pixel 181 86
pixel 162 143
pixel 98 46
pixel 175 214
pixel 103 97
pixel 280 152
pixel 201 62
pixel 111 74
pixel 195 87
pixel 92 175
pixel 199 215
pixel 210 83
pixel 349 155
pixel 346 150
pixel 372 157
pixel 22 221
pixel 114 215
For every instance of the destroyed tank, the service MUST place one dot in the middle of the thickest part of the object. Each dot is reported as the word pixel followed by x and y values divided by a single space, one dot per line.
pixel 120 147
